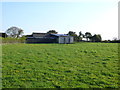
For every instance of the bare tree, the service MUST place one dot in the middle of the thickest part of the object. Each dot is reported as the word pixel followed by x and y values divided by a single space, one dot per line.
pixel 14 32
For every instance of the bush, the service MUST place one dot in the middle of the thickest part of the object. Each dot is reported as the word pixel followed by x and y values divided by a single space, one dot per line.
pixel 13 40
pixel 1 40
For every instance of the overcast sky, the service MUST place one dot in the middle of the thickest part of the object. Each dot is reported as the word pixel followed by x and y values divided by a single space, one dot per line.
pixel 96 16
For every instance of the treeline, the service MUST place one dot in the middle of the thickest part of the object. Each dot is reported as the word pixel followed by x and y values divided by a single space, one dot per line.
pixel 88 36
pixel 111 41
pixel 15 35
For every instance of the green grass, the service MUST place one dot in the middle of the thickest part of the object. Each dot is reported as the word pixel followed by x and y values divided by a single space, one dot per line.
pixel 80 65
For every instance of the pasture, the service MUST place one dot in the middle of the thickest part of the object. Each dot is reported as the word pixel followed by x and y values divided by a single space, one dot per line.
pixel 80 65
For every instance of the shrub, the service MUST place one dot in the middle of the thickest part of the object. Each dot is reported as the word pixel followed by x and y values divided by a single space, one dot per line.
pixel 13 40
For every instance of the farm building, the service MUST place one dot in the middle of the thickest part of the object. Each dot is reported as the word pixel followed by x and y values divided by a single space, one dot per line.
pixel 4 35
pixel 48 38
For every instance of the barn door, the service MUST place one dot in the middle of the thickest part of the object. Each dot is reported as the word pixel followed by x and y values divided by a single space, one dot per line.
pixel 64 39
pixel 61 40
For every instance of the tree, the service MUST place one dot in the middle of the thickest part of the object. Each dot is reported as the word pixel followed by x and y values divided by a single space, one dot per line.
pixel 88 35
pixel 52 32
pixel 14 32
pixel 96 38
pixel 71 33
pixel 81 36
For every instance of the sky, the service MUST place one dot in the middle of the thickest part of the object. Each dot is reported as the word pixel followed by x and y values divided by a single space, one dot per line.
pixel 97 17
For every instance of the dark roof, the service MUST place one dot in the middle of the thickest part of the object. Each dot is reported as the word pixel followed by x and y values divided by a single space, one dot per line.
pixel 60 35
pixel 28 35
pixel 46 35
pixel 40 34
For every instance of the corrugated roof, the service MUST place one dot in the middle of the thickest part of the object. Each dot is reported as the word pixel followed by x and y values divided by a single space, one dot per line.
pixel 59 35
pixel 38 33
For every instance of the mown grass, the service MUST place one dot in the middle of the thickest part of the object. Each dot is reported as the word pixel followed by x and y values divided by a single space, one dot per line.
pixel 80 65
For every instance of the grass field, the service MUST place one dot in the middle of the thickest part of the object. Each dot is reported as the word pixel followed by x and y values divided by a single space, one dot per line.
pixel 80 65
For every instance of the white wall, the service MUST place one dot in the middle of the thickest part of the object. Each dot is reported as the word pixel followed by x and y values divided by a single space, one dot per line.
pixel 65 39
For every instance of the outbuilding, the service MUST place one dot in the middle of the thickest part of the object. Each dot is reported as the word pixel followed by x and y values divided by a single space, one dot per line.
pixel 63 38
pixel 4 35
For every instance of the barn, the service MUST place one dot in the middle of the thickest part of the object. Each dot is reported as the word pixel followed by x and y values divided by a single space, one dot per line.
pixel 49 38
